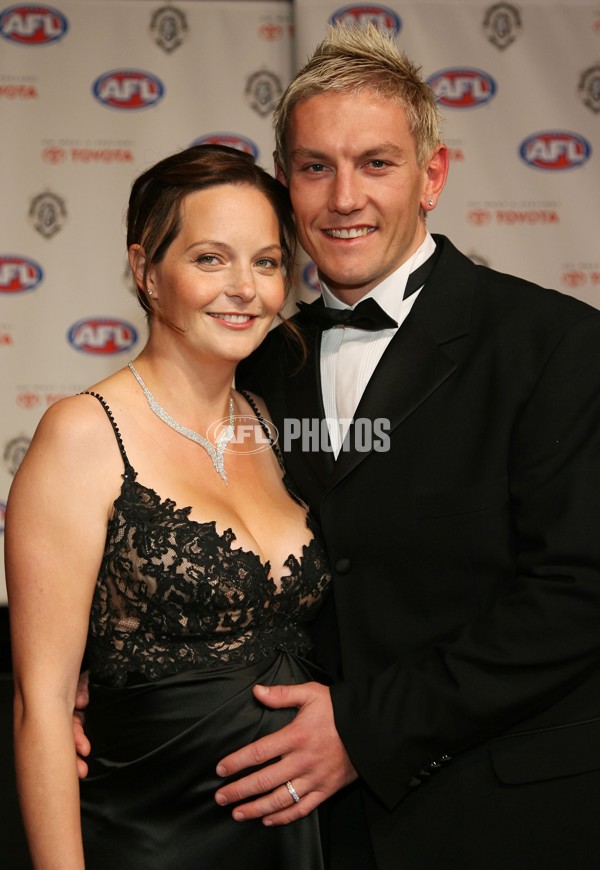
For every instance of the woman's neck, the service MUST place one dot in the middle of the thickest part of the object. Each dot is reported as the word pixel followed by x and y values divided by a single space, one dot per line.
pixel 190 390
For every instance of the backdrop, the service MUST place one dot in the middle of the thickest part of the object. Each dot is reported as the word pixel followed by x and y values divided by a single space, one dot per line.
pixel 93 91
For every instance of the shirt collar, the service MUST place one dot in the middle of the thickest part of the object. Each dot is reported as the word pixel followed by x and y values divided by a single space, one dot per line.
pixel 390 291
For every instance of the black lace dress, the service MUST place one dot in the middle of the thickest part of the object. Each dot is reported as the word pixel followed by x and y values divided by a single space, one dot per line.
pixel 182 625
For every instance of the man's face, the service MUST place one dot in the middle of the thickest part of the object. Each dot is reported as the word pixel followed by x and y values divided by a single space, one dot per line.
pixel 356 188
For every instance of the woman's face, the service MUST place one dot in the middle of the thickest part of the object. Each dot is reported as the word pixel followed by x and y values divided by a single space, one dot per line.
pixel 221 280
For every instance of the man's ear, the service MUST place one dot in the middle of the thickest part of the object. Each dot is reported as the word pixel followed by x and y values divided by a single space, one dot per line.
pixel 436 174
pixel 279 173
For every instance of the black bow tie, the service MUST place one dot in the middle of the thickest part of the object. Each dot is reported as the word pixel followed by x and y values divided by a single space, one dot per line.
pixel 368 314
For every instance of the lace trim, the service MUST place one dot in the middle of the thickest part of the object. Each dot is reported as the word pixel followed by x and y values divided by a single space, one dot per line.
pixel 173 593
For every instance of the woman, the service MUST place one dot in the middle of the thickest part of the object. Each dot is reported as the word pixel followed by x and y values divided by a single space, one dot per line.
pixel 151 531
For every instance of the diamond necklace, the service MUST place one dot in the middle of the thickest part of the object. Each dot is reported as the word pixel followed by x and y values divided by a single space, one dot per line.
pixel 215 451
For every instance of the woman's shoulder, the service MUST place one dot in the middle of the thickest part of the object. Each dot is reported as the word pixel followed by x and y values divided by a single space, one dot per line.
pixel 74 417
pixel 75 431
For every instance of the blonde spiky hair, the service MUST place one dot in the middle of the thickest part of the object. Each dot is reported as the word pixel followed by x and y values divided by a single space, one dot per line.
pixel 352 59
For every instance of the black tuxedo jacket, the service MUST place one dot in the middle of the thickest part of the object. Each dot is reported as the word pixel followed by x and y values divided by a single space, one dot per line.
pixel 466 565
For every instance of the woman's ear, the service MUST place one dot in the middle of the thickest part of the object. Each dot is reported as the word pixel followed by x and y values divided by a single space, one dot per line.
pixel 137 263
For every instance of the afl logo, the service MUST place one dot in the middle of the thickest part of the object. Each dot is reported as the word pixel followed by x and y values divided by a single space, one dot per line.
pixel 102 335
pixel 232 140
pixel 32 24
pixel 360 15
pixel 555 150
pixel 128 89
pixel 18 274
pixel 462 88
pixel 311 277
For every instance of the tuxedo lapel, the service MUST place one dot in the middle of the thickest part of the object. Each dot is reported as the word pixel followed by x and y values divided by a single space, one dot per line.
pixel 412 367
pixel 305 409
pixel 416 362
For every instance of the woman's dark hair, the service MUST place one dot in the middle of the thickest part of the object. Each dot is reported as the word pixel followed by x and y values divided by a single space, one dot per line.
pixel 154 212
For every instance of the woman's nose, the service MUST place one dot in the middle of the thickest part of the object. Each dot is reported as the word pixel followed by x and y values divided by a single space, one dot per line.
pixel 242 285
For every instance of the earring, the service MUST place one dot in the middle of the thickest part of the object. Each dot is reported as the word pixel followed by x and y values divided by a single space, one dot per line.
pixel 429 202
pixel 149 292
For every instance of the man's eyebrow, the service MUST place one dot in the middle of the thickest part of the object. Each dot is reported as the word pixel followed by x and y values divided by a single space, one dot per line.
pixel 382 148
pixel 308 154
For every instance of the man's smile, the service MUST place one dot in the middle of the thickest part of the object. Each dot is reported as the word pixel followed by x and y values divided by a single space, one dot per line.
pixel 349 233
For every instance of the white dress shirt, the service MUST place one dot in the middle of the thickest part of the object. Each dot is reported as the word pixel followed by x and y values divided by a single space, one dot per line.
pixel 349 356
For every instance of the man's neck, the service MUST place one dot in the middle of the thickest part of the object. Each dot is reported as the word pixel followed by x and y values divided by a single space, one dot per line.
pixel 352 295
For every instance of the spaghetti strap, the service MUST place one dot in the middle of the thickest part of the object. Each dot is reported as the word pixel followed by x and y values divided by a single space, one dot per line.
pixel 129 471
pixel 287 480
pixel 263 425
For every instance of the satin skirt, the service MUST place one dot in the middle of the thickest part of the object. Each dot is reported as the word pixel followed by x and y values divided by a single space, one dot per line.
pixel 148 801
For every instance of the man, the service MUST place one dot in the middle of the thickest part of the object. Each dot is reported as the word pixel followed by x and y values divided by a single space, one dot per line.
pixel 463 728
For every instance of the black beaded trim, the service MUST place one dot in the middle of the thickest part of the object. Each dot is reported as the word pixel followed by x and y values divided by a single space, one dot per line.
pixel 263 426
pixel 288 482
pixel 129 471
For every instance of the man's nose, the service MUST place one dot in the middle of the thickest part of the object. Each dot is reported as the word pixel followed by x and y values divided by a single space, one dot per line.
pixel 345 194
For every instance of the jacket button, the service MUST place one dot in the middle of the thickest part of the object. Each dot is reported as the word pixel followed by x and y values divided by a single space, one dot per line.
pixel 342 566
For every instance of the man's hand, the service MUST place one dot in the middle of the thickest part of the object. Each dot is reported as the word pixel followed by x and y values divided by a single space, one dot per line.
pixel 82 744
pixel 310 756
